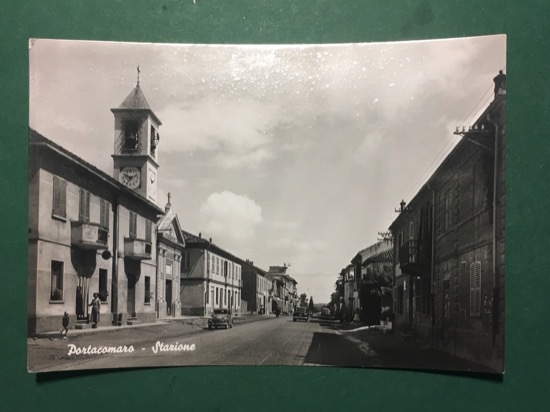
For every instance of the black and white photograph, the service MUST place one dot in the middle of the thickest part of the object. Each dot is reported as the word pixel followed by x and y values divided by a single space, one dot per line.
pixel 305 205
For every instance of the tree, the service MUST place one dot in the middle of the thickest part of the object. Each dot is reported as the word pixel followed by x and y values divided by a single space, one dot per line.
pixel 303 300
pixel 377 282
pixel 311 306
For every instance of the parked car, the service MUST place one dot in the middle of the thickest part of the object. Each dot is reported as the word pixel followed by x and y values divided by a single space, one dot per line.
pixel 220 317
pixel 300 314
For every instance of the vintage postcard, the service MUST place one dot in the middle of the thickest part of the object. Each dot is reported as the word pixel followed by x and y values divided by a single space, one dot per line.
pixel 335 205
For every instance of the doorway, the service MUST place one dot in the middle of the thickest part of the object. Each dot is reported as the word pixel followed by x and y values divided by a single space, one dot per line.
pixel 131 296
pixel 168 297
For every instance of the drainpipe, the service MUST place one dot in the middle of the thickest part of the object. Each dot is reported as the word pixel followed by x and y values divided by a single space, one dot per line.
pixel 114 277
pixel 495 289
pixel 432 265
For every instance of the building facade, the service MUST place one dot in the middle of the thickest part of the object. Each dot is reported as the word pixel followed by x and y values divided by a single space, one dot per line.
pixel 88 233
pixel 285 295
pixel 413 265
pixel 94 233
pixel 210 278
pixel 170 251
pixel 449 252
pixel 256 288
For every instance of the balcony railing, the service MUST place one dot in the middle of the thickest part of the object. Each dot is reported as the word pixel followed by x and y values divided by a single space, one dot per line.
pixel 415 257
pixel 137 249
pixel 89 235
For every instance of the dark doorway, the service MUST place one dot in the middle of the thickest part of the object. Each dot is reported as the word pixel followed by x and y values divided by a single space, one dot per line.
pixel 131 300
pixel 80 307
pixel 168 297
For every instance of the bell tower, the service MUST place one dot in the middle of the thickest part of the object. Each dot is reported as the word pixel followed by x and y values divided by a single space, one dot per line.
pixel 135 156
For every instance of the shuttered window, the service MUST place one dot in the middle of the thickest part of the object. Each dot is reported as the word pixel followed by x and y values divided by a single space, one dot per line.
pixel 148 230
pixel 84 211
pixel 475 289
pixel 133 225
pixel 59 206
pixel 104 213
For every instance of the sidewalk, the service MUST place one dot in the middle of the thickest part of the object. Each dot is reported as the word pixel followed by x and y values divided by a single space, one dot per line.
pixel 402 352
pixel 194 322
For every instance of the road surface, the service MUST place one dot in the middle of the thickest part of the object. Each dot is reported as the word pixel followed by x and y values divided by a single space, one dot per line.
pixel 273 341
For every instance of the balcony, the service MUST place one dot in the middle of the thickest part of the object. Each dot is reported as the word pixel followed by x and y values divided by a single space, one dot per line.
pixel 137 249
pixel 89 235
pixel 415 258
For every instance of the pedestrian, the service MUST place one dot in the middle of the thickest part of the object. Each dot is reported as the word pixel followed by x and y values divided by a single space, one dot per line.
pixel 96 305
pixel 500 82
pixel 65 322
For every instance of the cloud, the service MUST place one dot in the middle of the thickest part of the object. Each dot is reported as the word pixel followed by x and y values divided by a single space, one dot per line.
pixel 230 217
pixel 297 245
pixel 239 131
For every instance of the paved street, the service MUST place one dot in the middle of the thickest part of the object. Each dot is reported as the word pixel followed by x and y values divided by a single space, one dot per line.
pixel 253 341
pixel 271 341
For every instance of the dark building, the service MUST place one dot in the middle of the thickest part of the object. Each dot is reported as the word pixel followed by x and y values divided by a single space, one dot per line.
pixel 257 289
pixel 449 248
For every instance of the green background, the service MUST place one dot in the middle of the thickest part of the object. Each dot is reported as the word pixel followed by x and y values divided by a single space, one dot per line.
pixel 525 383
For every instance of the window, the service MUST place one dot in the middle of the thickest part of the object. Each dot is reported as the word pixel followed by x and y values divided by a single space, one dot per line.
pixel 217 300
pixel 148 230
pixel 131 136
pixel 448 209
pixel 148 289
pixel 59 206
pixel 475 289
pixel 56 293
pixel 225 293
pixel 133 225
pixel 186 260
pixel 104 213
pixel 411 230
pixel 155 137
pixel 168 269
pixel 103 290
pixel 84 211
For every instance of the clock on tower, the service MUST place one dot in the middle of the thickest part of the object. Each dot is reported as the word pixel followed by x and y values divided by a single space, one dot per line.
pixel 136 143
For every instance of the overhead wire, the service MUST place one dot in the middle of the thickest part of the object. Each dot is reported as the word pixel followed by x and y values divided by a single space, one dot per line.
pixel 485 97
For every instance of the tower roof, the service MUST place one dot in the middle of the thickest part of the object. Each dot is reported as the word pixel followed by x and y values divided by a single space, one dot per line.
pixel 136 101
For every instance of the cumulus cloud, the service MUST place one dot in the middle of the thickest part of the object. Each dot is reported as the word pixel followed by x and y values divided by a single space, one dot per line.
pixel 230 217
pixel 238 131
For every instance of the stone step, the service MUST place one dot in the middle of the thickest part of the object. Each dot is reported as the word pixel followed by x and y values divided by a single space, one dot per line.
pixel 82 325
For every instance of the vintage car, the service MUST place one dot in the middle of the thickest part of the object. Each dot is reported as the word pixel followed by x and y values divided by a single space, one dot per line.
pixel 220 317
pixel 300 314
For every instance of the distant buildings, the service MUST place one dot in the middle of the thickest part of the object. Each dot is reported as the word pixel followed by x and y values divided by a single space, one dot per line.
pixel 285 294
pixel 257 289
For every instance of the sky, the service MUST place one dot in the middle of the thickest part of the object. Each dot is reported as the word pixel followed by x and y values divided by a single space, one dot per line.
pixel 294 154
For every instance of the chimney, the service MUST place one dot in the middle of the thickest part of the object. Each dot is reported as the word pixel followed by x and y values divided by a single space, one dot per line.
pixel 200 235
